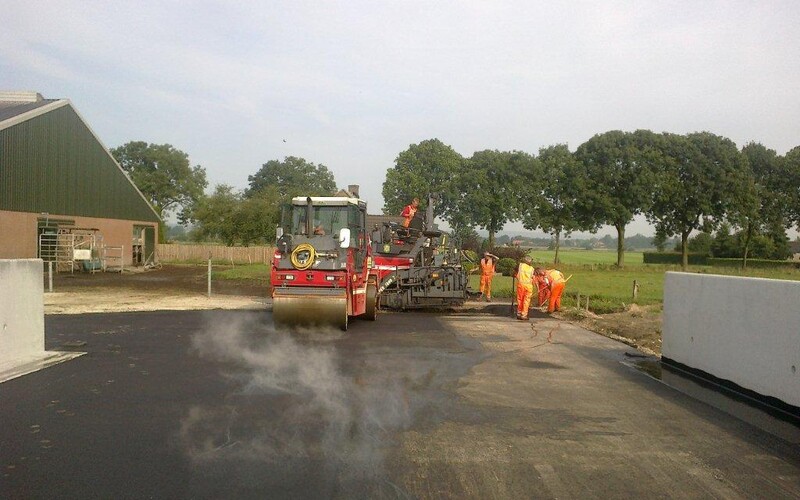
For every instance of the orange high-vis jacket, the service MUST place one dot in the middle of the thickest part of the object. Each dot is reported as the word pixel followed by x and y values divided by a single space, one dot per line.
pixel 487 267
pixel 408 213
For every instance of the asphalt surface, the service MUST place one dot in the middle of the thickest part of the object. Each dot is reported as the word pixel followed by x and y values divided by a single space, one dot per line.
pixel 217 404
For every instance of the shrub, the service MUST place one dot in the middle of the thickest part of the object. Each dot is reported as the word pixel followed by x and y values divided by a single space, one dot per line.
pixel 515 253
pixel 506 266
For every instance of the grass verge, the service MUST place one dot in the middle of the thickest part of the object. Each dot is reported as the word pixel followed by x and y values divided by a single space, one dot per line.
pixel 245 272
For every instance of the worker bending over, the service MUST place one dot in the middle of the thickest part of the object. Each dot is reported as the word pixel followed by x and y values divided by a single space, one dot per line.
pixel 409 211
pixel 487 266
pixel 542 283
pixel 524 287
pixel 557 283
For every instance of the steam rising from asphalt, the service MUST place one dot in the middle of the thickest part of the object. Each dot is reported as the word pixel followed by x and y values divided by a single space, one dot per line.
pixel 291 401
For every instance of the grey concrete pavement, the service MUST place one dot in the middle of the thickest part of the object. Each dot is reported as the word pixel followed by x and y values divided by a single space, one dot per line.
pixel 218 404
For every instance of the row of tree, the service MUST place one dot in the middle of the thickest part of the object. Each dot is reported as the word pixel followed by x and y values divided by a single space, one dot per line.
pixel 166 178
pixel 681 183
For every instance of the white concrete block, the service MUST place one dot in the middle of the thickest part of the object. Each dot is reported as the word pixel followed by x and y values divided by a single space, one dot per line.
pixel 745 330
pixel 21 309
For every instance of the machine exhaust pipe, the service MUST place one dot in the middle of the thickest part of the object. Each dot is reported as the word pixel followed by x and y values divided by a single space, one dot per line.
pixel 309 217
pixel 432 198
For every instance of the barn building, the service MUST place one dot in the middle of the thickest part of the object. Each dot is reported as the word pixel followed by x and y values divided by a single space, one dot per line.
pixel 63 197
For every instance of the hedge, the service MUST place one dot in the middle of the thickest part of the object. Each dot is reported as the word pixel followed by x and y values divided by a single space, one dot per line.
pixel 695 259
pixel 754 263
pixel 703 260
pixel 506 266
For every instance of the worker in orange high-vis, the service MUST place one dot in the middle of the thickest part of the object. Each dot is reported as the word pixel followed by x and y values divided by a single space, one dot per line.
pixel 409 211
pixel 557 283
pixel 487 267
pixel 542 283
pixel 524 288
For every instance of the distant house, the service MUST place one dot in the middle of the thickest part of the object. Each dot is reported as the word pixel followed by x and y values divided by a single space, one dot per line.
pixel 350 192
pixel 63 196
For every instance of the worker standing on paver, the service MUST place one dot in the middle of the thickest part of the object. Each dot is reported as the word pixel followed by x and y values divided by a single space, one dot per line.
pixel 409 211
pixel 524 288
pixel 557 283
pixel 487 265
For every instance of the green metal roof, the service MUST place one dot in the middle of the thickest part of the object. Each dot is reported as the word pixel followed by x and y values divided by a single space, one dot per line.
pixel 51 161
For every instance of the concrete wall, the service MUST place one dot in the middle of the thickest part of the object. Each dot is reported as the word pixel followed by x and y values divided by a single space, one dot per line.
pixel 21 310
pixel 745 330
pixel 19 233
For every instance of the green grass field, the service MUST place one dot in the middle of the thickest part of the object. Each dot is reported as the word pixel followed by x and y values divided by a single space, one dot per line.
pixel 593 274
pixel 253 272
pixel 584 257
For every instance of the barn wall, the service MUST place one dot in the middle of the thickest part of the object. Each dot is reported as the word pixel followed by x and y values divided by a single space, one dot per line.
pixel 19 232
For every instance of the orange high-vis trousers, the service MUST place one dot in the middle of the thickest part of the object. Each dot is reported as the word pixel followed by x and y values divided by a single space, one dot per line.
pixel 524 295
pixel 486 284
pixel 555 296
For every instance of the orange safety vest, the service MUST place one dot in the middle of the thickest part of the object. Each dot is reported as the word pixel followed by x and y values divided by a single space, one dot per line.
pixel 487 267
pixel 525 274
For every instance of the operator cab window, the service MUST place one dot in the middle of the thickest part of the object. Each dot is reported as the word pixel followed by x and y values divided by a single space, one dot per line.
pixel 328 220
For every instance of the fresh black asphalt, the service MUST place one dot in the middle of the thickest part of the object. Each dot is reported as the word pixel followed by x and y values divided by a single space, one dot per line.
pixel 219 404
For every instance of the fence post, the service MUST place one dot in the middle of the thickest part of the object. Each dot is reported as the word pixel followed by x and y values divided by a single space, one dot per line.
pixel 578 300
pixel 50 276
pixel 209 275
pixel 587 303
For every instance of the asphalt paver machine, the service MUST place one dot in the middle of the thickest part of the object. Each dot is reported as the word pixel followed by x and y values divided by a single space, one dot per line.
pixel 419 267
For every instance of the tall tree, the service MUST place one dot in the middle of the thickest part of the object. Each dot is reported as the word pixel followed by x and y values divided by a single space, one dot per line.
pixel 725 245
pixel 699 176
pixel 552 208
pixel 791 188
pixel 164 176
pixel 256 217
pixel 619 174
pixel 227 215
pixel 214 214
pixel 492 183
pixel 292 177
pixel 759 205
pixel 428 167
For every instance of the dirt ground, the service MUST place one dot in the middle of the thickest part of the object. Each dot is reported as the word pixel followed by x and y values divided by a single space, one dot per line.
pixel 173 288
pixel 184 287
pixel 638 326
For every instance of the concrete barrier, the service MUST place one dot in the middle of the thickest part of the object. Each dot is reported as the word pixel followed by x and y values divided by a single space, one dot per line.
pixel 22 319
pixel 742 330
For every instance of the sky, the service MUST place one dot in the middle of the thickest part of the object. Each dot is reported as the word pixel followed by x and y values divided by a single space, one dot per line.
pixel 352 84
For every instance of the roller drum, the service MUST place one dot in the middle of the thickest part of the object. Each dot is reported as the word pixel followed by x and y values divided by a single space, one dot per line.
pixel 310 307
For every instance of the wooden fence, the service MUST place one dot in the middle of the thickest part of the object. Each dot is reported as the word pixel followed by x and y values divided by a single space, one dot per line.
pixel 199 253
